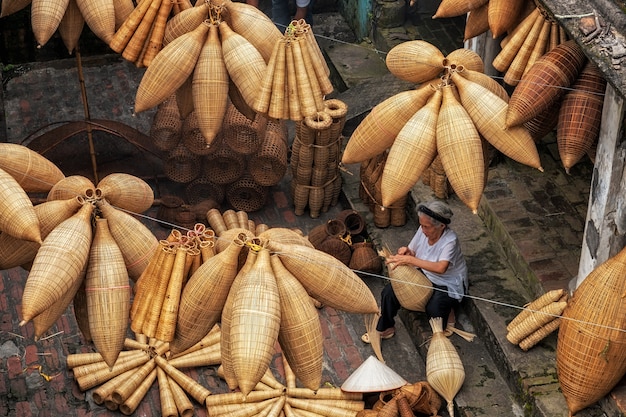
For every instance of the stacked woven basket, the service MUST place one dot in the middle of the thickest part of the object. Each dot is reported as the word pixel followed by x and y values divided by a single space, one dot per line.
pixel 246 158
pixel 316 179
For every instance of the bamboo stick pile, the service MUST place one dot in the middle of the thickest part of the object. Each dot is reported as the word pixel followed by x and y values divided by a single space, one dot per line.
pixel 316 178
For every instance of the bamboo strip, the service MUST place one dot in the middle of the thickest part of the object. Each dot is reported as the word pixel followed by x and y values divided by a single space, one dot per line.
pixel 123 35
pixel 193 388
pixel 136 43
pixel 132 402
pixel 101 375
pixel 169 309
pixel 127 387
pixel 105 390
pixel 155 42
pixel 168 405
pixel 183 404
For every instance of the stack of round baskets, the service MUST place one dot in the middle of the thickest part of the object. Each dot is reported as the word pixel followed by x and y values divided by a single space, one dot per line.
pixel 370 193
pixel 316 180
pixel 241 163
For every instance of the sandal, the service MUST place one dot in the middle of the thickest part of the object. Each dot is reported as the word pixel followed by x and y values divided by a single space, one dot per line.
pixel 387 334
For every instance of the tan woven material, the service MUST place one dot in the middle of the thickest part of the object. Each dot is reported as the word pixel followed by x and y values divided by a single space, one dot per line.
pixel 137 45
pixel 306 93
pixel 580 116
pixel 193 138
pixel 108 293
pixel 185 22
pixel 536 92
pixel 32 171
pixel 170 69
pixel 71 187
pixel 192 387
pixel 488 112
pixel 11 6
pixel 254 324
pixel 465 58
pixel 295 111
pixel 182 165
pixel 460 149
pixel 518 65
pixel 96 377
pixel 71 26
pixel 80 311
pixel 198 313
pixel 514 42
pixel 535 321
pixel 453 8
pixel 320 408
pixel 58 264
pixel 412 152
pixel 134 239
pixel 243 61
pixel 365 259
pixel 254 25
pixel 444 369
pixel 223 166
pixel 503 15
pixel 539 334
pixel 540 302
pixel 166 128
pixel 245 194
pixel 477 22
pixel 381 126
pixel 284 235
pixel 134 399
pixel 99 17
pixel 410 285
pixel 545 122
pixel 183 404
pixel 590 355
pixel 275 67
pixel 210 87
pixel 300 333
pixel 415 61
pixel 127 192
pixel 171 301
pixel 202 189
pixel 541 46
pixel 326 278
pixel 268 164
pixel 240 133
pixel 486 81
pixel 105 390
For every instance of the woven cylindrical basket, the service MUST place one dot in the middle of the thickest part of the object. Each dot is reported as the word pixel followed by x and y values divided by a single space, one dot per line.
pixel 166 125
pixel 203 189
pixel 300 195
pixel 364 258
pixel 182 165
pixel 245 194
pixel 269 164
pixel 352 220
pixel 170 204
pixel 240 133
pixel 223 166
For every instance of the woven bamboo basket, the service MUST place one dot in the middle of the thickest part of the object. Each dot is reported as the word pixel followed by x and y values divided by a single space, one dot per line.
pixel 488 112
pixel 254 324
pixel 444 369
pixel 353 220
pixel 243 61
pixel 486 81
pixel 182 165
pixel 166 125
pixel 540 302
pixel 198 313
pixel 477 22
pixel 412 151
pixel 80 312
pixel 380 127
pixel 185 22
pixel 285 235
pixel 183 404
pixel 240 133
pixel 268 164
pixel 466 58
pixel 300 195
pixel 245 194
pixel 453 8
pixel 231 219
pixel 398 215
pixel 503 15
pixel 521 61
pixel 15 252
pixel 326 278
pixel 202 189
pixel 536 91
pixel 275 67
pixel 17 214
pixel 190 385
pixel 71 26
pixel 514 42
pixel 58 264
pixel 333 227
pixel 32 171
pixel 171 301
pixel 300 333
pixel 337 248
pixel 210 87
pixel 170 69
pixel 535 321
pixel 71 187
pixel 410 285
pixel 253 25
pixel 224 166
pixel 365 259
pixel 193 138
pixel 135 240
pixel 460 149
pixel 578 126
pixel 10 7
pixel 99 17
pixel 108 293
pixel 127 192
pixel 184 98
pixel 590 355
pixel 545 122
pixel 415 61
pixel 216 221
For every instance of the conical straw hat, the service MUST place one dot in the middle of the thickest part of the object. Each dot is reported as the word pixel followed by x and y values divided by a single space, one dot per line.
pixel 373 376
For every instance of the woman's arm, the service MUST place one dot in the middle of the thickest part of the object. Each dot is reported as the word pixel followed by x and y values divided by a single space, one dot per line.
pixel 438 267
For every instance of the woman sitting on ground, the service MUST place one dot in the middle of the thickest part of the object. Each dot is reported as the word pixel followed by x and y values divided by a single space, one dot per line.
pixel 436 251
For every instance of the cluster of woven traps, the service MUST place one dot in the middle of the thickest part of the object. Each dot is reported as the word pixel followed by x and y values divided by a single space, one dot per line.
pixel 315 156
pixel 238 167
pixel 345 238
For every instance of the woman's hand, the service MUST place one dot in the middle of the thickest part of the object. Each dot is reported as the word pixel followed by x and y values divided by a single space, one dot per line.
pixel 394 260
pixel 405 251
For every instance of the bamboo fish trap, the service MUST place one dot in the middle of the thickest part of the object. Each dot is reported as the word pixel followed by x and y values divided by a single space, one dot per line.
pixel 32 171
